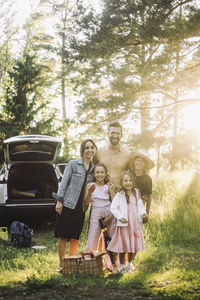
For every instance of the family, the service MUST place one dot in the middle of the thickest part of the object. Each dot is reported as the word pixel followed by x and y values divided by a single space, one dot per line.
pixel 116 183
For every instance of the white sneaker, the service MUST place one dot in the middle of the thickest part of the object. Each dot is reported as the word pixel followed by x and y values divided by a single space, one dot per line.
pixel 130 267
pixel 122 269
pixel 115 270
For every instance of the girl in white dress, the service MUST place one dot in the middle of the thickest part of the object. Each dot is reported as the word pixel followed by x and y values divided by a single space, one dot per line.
pixel 129 211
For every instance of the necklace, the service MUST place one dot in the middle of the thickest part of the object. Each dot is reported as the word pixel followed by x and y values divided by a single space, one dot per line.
pixel 87 165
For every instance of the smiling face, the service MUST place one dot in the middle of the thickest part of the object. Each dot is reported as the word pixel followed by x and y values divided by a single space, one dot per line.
pixel 127 183
pixel 139 163
pixel 89 150
pixel 100 174
pixel 114 135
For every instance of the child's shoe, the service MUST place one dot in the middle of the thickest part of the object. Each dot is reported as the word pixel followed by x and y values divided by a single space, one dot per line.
pixel 59 268
pixel 115 270
pixel 130 267
pixel 122 269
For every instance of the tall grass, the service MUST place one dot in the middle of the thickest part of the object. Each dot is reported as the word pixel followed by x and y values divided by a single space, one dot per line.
pixel 170 265
pixel 175 211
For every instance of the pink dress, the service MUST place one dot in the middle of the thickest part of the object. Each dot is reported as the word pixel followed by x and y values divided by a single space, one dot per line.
pixel 128 238
pixel 100 203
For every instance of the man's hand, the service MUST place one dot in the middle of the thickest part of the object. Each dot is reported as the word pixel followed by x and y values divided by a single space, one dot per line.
pixel 110 186
pixel 111 189
pixel 59 207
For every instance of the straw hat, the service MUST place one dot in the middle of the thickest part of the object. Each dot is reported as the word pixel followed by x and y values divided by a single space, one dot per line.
pixel 144 154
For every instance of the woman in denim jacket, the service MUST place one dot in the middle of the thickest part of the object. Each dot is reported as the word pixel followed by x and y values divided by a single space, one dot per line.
pixel 70 206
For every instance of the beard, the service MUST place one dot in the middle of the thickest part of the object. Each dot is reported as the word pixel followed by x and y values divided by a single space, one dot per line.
pixel 114 141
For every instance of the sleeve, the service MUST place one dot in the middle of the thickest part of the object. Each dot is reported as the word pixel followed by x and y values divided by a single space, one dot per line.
pixel 115 206
pixel 65 181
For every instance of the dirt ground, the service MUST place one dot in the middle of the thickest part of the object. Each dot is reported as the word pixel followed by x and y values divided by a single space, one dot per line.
pixel 70 293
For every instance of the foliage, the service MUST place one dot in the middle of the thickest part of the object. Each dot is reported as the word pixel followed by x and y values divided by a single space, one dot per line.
pixel 168 269
pixel 8 31
pixel 175 212
pixel 131 63
pixel 23 92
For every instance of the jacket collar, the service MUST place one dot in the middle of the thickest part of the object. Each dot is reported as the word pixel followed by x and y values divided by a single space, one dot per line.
pixel 80 161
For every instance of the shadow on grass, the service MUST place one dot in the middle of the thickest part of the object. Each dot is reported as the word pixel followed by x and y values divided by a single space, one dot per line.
pixel 169 268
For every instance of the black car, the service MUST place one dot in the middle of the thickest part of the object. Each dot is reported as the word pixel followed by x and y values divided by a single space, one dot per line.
pixel 29 176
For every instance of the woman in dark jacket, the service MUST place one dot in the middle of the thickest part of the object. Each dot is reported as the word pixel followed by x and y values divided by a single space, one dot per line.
pixel 70 206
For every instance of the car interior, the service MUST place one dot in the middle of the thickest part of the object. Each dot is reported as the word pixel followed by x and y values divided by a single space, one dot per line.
pixel 29 180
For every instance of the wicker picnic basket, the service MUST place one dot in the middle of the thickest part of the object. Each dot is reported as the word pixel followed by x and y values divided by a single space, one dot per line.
pixel 75 264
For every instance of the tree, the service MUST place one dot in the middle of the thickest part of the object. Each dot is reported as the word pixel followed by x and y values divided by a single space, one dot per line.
pixel 24 92
pixel 38 43
pixel 61 11
pixel 134 45
pixel 8 34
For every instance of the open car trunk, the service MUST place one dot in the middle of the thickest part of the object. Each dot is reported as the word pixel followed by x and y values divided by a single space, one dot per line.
pixel 31 182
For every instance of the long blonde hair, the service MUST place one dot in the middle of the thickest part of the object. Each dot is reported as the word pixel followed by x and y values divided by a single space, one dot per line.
pixel 129 173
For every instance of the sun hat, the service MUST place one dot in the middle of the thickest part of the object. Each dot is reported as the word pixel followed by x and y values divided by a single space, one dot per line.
pixel 144 154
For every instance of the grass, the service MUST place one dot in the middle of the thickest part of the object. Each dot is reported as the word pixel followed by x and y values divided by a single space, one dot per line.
pixel 169 268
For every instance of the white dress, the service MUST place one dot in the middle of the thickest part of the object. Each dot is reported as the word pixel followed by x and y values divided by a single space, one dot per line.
pixel 128 238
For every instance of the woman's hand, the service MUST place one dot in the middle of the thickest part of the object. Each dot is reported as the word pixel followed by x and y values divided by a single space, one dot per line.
pixel 59 207
pixel 123 220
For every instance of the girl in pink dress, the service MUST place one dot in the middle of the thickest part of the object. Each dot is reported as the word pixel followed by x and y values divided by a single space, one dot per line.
pixel 100 194
pixel 129 211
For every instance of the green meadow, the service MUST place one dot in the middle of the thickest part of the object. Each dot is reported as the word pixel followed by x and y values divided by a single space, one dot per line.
pixel 169 268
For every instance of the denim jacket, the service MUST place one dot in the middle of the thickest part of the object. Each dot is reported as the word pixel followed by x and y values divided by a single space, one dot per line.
pixel 72 183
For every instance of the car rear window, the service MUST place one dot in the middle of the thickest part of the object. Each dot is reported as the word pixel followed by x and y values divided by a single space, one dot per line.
pixel 32 151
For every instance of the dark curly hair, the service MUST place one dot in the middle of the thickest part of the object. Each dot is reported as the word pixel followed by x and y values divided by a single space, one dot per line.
pixel 106 179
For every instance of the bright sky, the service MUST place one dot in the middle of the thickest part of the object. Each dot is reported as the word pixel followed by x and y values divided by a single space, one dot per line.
pixel 190 118
pixel 24 9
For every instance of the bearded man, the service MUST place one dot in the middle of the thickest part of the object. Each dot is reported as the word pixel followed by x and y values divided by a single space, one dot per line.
pixel 113 155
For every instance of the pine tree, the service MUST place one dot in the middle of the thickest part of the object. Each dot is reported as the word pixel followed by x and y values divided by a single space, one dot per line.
pixel 24 101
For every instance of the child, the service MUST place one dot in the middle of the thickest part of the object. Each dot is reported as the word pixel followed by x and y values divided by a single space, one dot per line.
pixel 99 194
pixel 142 164
pixel 129 212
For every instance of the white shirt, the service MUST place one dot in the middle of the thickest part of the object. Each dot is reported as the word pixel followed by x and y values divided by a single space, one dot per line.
pixel 119 208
